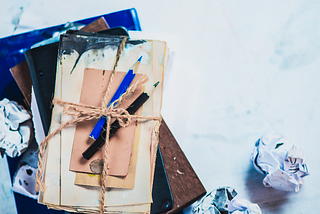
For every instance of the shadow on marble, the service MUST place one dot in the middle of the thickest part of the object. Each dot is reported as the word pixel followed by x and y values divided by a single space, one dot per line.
pixel 269 199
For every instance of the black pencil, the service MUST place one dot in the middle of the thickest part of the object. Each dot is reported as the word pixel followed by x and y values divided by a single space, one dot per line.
pixel 98 143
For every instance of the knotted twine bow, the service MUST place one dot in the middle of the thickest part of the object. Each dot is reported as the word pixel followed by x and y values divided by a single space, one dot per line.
pixel 87 112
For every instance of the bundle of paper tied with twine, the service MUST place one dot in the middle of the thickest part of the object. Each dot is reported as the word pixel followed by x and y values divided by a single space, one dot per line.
pixel 86 112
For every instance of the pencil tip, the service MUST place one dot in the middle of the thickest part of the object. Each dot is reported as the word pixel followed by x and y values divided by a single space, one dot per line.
pixel 156 84
pixel 135 66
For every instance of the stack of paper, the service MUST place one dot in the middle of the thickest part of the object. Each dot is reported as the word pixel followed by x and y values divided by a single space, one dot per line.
pixel 84 67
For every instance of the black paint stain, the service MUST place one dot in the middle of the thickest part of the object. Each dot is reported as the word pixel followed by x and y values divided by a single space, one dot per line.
pixel 81 42
pixel 278 145
pixel 29 171
pixel 96 166
pixel 257 165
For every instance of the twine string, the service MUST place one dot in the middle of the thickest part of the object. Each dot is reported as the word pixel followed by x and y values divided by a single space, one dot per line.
pixel 104 171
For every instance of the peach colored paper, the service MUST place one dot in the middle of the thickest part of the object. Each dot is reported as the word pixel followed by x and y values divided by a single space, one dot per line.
pixel 85 179
pixel 95 83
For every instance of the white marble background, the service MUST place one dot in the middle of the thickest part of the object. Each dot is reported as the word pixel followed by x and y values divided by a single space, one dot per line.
pixel 238 70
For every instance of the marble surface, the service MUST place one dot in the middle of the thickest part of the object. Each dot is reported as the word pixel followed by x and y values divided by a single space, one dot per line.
pixel 7 202
pixel 238 70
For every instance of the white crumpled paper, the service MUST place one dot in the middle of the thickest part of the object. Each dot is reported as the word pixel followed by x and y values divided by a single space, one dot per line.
pixel 223 201
pixel 15 128
pixel 282 162
pixel 243 206
pixel 25 181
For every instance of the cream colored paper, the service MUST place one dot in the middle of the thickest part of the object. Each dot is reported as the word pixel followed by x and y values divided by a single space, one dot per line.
pixel 140 196
pixel 51 175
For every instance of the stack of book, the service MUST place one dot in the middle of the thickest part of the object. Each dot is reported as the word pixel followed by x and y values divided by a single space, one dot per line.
pixel 78 70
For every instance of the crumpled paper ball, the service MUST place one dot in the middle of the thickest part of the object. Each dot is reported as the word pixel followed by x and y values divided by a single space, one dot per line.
pixel 15 128
pixel 223 201
pixel 25 181
pixel 280 161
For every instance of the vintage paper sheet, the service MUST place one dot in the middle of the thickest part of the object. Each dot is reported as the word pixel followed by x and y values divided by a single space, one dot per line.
pixel 52 160
pixel 78 197
pixel 94 86
pixel 121 159
pixel 52 174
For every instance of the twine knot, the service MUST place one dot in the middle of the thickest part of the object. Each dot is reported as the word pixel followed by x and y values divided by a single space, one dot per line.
pixel 86 112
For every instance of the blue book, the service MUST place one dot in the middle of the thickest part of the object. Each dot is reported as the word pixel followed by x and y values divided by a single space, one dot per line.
pixel 13 47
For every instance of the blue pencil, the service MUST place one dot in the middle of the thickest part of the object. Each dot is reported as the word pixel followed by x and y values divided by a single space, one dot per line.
pixel 125 83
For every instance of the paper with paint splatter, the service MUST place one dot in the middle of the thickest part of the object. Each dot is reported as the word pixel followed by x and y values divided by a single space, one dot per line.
pixel 72 197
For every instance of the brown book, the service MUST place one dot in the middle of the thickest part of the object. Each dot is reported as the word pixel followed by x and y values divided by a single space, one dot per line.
pixel 22 77
pixel 185 185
